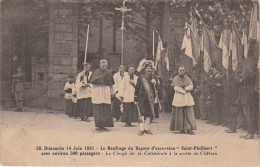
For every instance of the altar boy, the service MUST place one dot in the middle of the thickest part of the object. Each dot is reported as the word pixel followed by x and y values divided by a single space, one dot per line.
pixel 84 89
pixel 127 93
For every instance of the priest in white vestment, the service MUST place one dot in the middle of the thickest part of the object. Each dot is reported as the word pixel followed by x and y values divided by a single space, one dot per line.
pixel 183 118
pixel 102 81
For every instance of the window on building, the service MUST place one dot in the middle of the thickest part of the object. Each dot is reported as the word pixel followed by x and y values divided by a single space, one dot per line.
pixel 40 76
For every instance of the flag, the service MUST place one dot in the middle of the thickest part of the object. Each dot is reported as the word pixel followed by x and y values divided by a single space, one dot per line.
pixel 167 62
pixel 162 61
pixel 244 39
pixel 215 51
pixel 206 50
pixel 254 29
pixel 195 41
pixel 254 23
pixel 258 65
pixel 171 47
pixel 186 43
pixel 159 50
pixel 252 62
pixel 224 45
pixel 234 47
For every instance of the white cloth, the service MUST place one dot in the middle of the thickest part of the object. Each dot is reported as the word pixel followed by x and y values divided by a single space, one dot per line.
pixel 182 97
pixel 66 87
pixel 117 79
pixel 127 90
pixel 83 92
pixel 74 94
pixel 144 125
pixel 101 94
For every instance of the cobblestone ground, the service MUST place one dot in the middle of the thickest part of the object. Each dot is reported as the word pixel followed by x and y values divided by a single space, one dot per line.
pixel 23 131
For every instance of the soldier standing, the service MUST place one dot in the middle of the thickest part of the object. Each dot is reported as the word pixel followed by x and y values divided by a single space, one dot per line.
pixel 216 93
pixel 248 98
pixel 233 96
pixel 18 88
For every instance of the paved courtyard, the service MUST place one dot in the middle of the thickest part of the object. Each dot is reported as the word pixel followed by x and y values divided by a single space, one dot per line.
pixel 22 132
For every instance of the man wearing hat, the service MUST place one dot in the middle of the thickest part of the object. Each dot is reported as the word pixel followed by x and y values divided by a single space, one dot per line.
pixel 118 77
pixel 84 92
pixel 144 98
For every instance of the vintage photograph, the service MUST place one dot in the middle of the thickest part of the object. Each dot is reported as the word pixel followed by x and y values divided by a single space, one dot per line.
pixel 129 83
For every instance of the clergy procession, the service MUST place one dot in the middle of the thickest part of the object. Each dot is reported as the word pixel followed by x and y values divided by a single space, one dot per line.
pixel 221 88
pixel 127 97
pixel 220 85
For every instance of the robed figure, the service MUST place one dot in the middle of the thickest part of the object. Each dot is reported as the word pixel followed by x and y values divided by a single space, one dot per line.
pixel 183 118
pixel 84 89
pixel 102 81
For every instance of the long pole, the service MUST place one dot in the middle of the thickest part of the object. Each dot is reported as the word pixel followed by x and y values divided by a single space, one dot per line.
pixel 123 9
pixel 86 49
pixel 122 47
pixel 153 44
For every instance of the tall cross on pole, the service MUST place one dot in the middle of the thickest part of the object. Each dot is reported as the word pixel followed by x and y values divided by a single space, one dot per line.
pixel 123 9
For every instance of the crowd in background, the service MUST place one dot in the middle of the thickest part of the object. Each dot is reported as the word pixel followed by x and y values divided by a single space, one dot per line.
pixel 231 101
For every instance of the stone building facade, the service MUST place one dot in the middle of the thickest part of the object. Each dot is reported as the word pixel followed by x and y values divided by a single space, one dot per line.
pixel 66 50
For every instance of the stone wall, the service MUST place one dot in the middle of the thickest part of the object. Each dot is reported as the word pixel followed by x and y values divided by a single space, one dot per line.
pixel 63 49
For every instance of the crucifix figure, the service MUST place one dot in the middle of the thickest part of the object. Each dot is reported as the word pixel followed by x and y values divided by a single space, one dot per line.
pixel 123 9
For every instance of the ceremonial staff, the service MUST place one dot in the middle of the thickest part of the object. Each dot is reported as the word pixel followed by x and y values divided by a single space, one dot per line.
pixel 153 45
pixel 86 49
pixel 123 9
pixel 85 58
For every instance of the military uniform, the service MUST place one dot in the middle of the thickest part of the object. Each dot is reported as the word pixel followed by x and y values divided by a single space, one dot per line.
pixel 247 91
pixel 196 96
pixel 18 89
pixel 232 105
pixel 256 101
pixel 216 93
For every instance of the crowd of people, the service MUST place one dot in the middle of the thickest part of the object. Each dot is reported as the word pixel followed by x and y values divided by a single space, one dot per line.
pixel 131 96
pixel 219 100
pixel 127 96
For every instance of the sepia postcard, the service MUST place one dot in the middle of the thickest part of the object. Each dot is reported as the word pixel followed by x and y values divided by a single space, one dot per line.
pixel 129 83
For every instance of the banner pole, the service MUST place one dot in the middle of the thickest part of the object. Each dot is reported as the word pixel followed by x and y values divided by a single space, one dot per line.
pixel 86 49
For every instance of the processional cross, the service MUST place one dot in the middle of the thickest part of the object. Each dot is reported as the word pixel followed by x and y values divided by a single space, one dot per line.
pixel 123 9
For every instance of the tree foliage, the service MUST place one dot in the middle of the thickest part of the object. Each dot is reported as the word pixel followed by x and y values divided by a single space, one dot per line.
pixel 139 23
pixel 215 13
pixel 30 17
